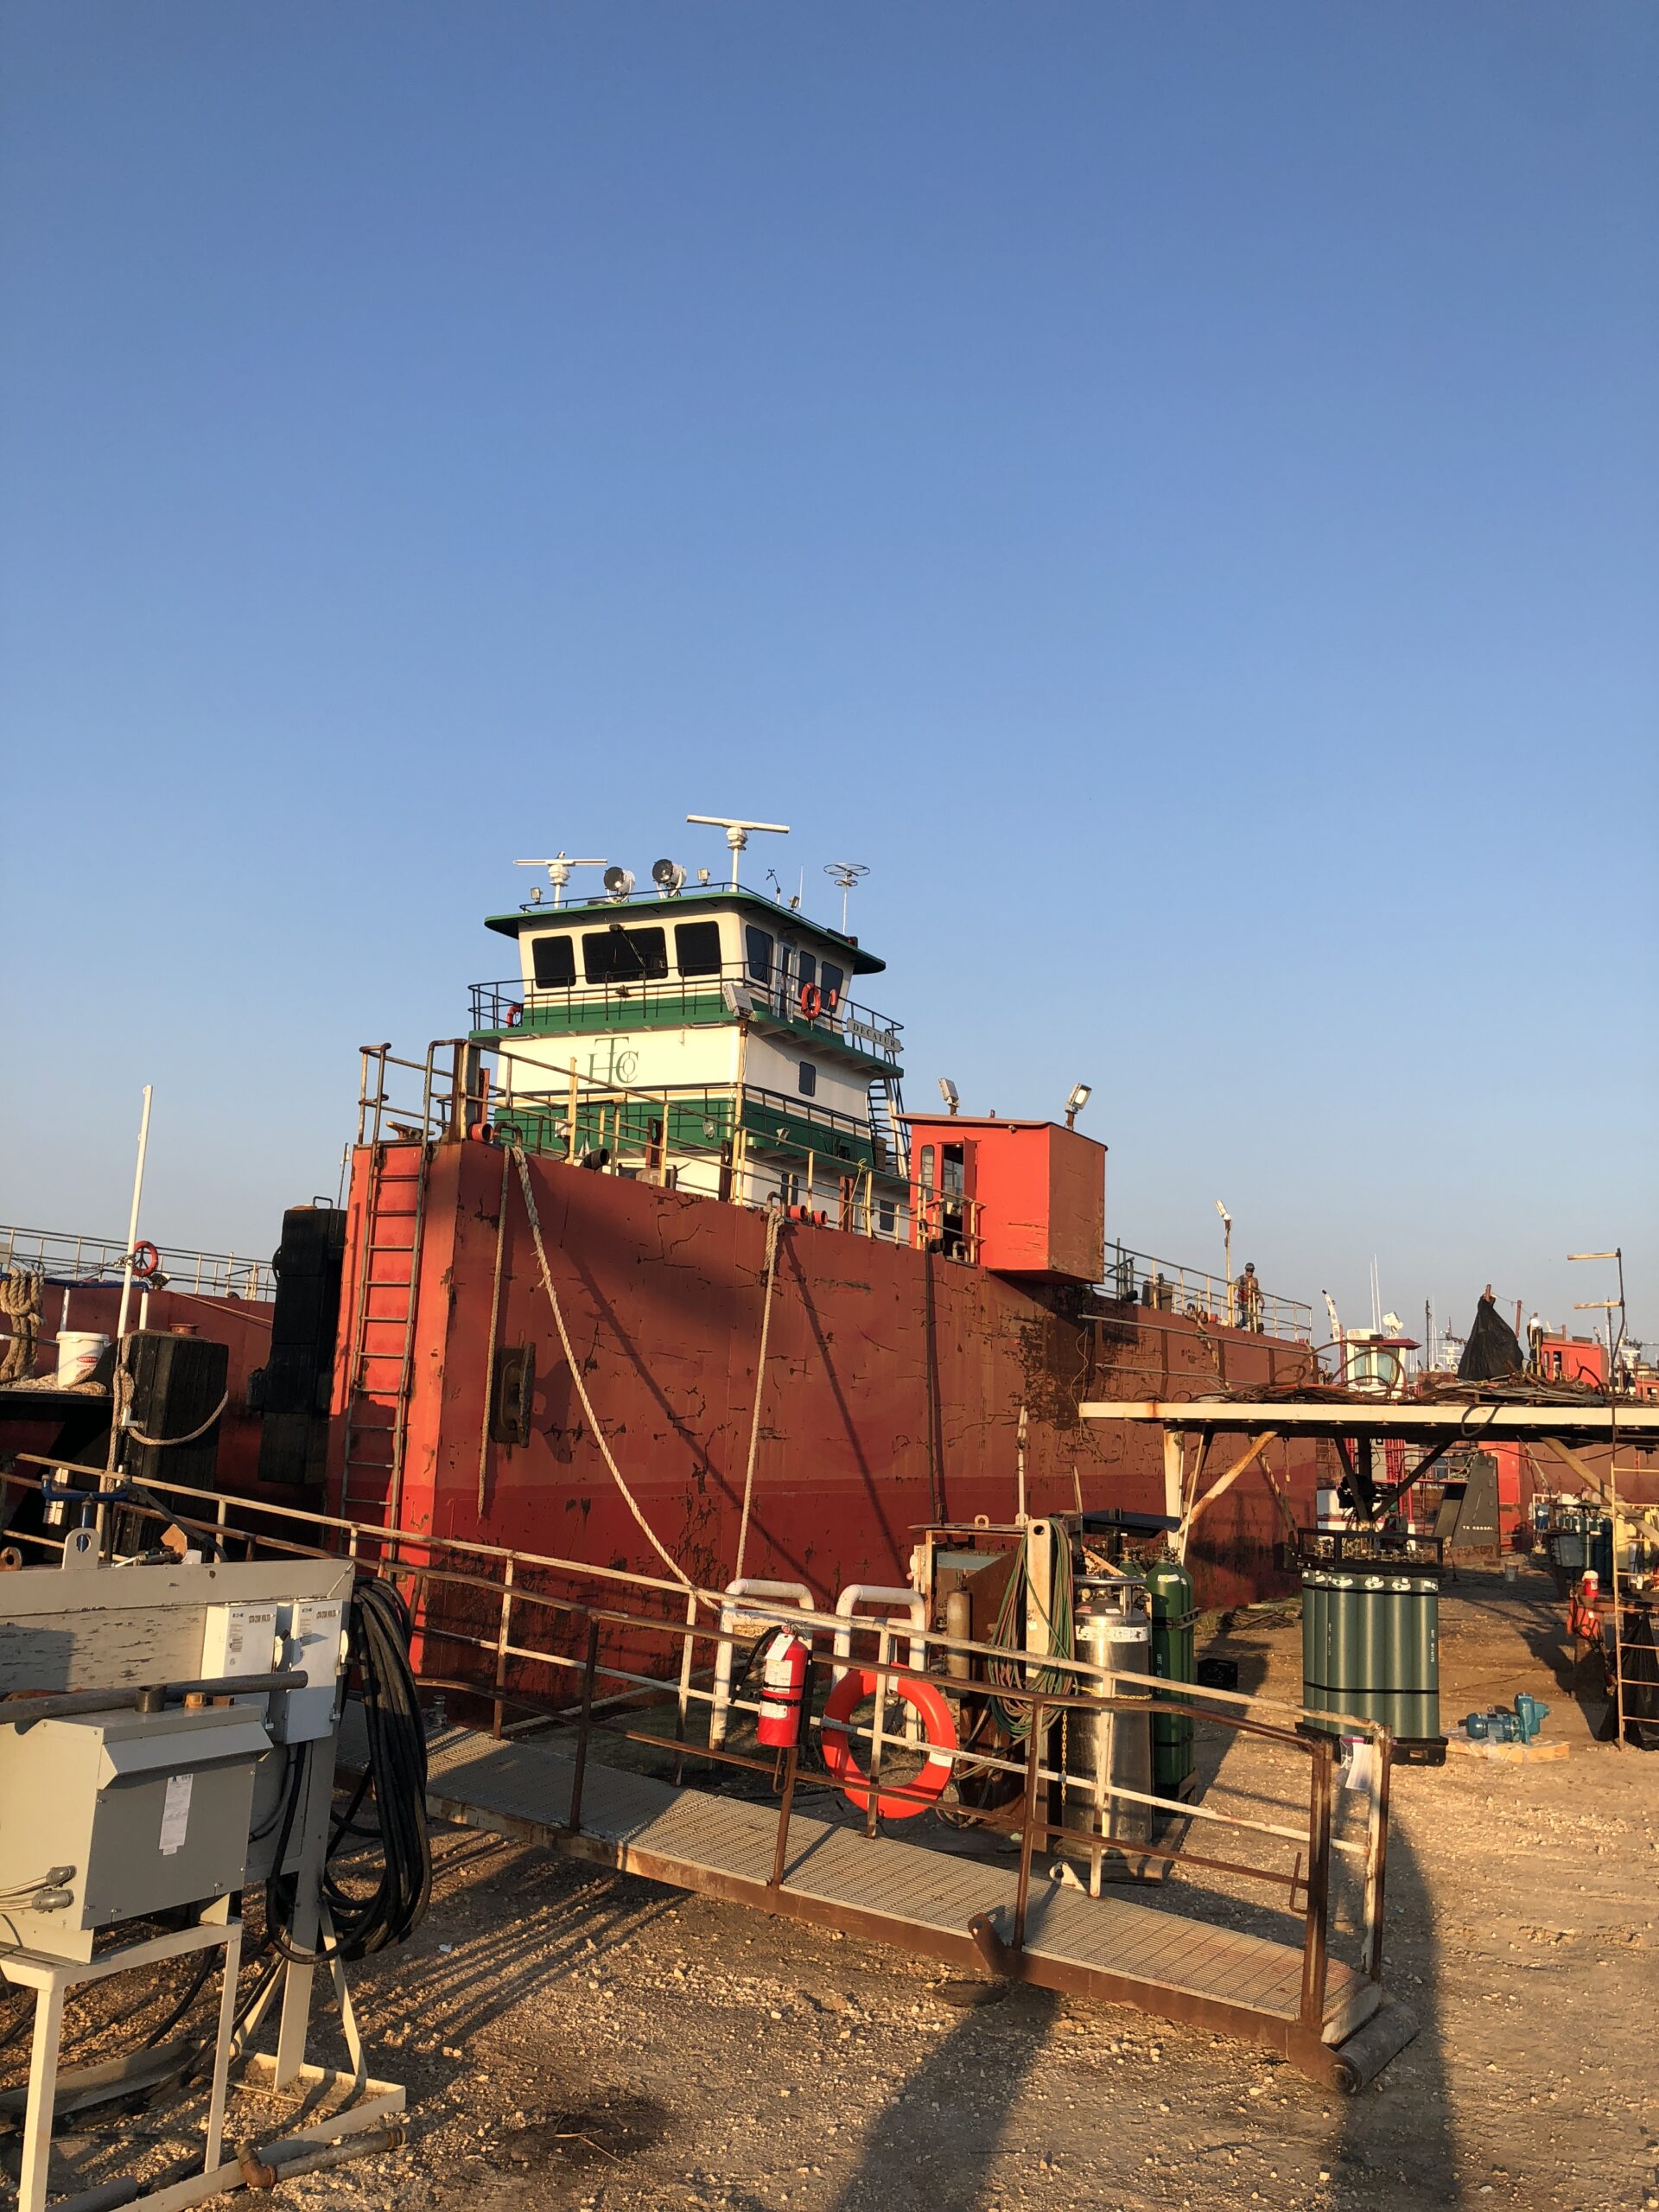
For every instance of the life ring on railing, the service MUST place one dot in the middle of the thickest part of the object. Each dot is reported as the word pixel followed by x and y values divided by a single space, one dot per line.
pixel 811 1000
pixel 515 1015
pixel 901 1800
pixel 146 1260
pixel 832 1000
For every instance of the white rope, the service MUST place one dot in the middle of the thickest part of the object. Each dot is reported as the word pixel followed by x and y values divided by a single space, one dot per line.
pixel 123 1394
pixel 646 1530
pixel 775 1231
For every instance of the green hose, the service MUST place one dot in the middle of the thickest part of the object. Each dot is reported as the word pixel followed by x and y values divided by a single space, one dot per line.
pixel 1009 1635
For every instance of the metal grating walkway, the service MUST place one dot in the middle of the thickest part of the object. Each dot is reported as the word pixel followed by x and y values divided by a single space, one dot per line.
pixel 900 1893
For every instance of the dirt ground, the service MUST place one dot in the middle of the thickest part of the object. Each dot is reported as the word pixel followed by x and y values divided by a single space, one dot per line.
pixel 580 2041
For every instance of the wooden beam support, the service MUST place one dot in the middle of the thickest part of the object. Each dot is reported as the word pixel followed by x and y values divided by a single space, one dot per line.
pixel 1223 1483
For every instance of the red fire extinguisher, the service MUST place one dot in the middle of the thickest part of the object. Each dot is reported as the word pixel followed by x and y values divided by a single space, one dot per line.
pixel 782 1678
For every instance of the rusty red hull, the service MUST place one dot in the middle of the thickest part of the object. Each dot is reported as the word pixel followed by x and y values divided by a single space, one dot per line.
pixel 891 1394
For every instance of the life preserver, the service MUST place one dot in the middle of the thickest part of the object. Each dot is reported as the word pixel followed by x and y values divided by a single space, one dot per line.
pixel 145 1260
pixel 903 1801
pixel 832 1000
pixel 515 1015
pixel 811 1000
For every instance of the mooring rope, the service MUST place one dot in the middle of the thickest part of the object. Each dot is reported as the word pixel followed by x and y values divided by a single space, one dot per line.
pixel 123 1395
pixel 20 1301
pixel 775 1233
pixel 617 1477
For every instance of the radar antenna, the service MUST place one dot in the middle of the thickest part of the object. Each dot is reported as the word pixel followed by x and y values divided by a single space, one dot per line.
pixel 737 833
pixel 848 874
pixel 558 871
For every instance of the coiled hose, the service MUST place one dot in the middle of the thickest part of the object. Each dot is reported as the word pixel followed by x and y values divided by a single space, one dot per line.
pixel 393 1785
pixel 1010 1633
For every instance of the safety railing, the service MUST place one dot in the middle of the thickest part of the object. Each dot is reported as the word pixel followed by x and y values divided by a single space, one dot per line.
pixel 748 1145
pixel 483 1603
pixel 82 1261
pixel 663 1002
pixel 1138 1279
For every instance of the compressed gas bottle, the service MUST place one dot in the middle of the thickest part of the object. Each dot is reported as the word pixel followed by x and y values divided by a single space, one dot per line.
pixel 1371 1646
pixel 1169 1588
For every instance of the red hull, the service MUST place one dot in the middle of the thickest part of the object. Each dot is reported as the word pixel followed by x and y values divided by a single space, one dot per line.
pixel 892 1393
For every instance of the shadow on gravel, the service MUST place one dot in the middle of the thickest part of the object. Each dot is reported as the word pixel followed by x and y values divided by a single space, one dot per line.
pixel 933 2147
pixel 1379 2156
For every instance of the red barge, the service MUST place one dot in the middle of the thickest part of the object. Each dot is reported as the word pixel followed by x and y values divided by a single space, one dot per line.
pixel 651 1263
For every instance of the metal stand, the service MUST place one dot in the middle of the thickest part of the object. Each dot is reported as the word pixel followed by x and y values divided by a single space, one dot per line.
pixel 52 1979
pixel 374 2101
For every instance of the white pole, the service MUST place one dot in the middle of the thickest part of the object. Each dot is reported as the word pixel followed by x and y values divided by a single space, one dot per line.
pixel 132 1221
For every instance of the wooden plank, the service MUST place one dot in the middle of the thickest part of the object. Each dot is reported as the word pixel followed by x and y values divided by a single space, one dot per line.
pixel 907 1885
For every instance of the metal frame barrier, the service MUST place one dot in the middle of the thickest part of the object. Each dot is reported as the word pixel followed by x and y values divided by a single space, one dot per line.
pixel 451 1603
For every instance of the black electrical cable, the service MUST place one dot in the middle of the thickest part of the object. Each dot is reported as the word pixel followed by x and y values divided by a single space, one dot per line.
pixel 394 1784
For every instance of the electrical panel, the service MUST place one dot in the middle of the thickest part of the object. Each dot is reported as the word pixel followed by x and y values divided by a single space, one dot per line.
pixel 239 1639
pixel 311 1638
pixel 301 1634
pixel 112 1816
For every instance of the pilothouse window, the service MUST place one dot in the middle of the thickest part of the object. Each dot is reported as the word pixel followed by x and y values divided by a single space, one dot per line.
pixel 697 948
pixel 831 982
pixel 553 962
pixel 759 945
pixel 619 956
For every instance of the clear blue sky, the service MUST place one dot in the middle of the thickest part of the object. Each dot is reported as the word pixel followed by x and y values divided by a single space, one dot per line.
pixel 1170 486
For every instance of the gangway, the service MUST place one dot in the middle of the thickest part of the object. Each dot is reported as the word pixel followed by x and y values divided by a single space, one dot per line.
pixel 961 1911
pixel 610 1665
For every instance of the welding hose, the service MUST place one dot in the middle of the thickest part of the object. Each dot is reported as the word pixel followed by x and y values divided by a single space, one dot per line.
pixel 394 1784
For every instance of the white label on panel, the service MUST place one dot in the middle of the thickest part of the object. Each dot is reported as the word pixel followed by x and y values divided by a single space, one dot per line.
pixel 175 1811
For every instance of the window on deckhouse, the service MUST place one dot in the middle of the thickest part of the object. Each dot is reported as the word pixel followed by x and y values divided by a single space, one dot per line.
pixel 553 962
pixel 697 948
pixel 619 956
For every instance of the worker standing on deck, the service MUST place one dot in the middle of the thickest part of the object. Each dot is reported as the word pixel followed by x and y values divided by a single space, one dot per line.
pixel 1247 1298
pixel 1535 1345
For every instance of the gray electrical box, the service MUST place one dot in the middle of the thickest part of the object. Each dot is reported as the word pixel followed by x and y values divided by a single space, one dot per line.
pixel 133 1813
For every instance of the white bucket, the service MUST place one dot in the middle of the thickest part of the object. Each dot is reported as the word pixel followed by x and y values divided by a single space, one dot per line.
pixel 78 1353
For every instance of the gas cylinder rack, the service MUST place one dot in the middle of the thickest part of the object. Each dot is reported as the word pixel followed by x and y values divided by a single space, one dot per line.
pixel 167 1736
pixel 1058 1587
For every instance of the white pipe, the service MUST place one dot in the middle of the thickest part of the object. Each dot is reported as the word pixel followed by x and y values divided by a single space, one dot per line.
pixel 913 1607
pixel 908 1602
pixel 132 1221
pixel 732 1617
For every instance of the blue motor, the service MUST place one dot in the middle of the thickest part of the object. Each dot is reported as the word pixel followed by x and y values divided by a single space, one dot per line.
pixel 1503 1725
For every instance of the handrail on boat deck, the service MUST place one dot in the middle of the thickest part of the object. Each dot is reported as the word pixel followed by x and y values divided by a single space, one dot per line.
pixel 378 1550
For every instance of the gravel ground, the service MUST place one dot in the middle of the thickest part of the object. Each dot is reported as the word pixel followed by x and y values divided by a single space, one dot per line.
pixel 573 2039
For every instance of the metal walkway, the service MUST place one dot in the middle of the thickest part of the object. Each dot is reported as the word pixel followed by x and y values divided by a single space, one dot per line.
pixel 920 1900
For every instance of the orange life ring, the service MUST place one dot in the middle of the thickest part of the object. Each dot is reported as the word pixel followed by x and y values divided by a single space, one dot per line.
pixel 146 1260
pixel 904 1800
pixel 811 1000
pixel 515 1015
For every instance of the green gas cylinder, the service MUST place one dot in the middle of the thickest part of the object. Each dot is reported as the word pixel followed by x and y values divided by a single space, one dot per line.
pixel 1169 1588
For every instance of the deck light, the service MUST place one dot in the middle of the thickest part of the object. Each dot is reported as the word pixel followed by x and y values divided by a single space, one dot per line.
pixel 1076 1102
pixel 949 1092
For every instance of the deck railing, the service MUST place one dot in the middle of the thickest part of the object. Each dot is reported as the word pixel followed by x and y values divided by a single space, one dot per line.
pixel 751 1146
pixel 656 1002
pixel 454 1585
pixel 1167 1286
pixel 80 1261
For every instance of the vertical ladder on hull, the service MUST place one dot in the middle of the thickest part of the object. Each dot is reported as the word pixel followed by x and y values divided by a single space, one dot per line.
pixel 383 1335
pixel 885 1107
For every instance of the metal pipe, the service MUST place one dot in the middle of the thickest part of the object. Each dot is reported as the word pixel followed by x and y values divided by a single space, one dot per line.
pixel 264 2169
pixel 132 1229
pixel 21 1709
